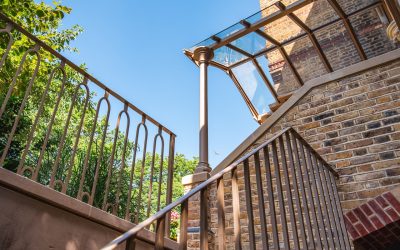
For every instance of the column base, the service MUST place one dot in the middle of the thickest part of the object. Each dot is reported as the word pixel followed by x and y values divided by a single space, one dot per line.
pixel 202 167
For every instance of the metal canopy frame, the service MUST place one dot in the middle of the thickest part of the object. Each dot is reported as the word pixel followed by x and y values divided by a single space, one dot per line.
pixel 215 42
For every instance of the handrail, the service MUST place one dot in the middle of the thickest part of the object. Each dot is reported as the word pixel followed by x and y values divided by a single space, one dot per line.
pixel 82 72
pixel 184 199
pixel 74 143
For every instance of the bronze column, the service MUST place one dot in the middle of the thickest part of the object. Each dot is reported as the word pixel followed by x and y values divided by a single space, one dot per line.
pixel 203 55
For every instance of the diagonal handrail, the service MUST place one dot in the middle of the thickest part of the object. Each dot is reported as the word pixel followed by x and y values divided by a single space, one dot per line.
pixel 82 72
pixel 160 214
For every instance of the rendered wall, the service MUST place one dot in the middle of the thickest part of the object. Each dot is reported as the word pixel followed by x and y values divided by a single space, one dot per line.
pixel 26 223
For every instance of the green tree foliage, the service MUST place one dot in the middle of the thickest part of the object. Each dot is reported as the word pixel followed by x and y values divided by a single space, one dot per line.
pixel 50 118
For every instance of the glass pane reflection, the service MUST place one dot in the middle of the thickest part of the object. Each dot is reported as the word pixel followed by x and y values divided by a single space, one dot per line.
pixel 254 86
pixel 251 43
pixel 227 56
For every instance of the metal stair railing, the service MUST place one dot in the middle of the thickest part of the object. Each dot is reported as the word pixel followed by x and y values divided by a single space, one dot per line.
pixel 301 191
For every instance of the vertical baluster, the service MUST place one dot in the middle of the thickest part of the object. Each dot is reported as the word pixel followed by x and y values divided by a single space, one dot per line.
pixel 48 132
pixel 100 157
pixel 160 234
pixel 122 168
pixel 77 138
pixel 184 225
pixel 34 50
pixel 10 42
pixel 132 174
pixel 271 199
pixel 39 113
pixel 160 174
pixel 249 204
pixel 204 219
pixel 221 213
pixel 106 205
pixel 280 196
pixel 67 127
pixel 139 198
pixel 153 158
pixel 292 217
pixel 296 193
pixel 333 210
pixel 316 197
pixel 299 174
pixel 310 200
pixel 170 180
pixel 24 100
pixel 236 209
pixel 340 212
pixel 325 200
pixel 131 243
pixel 261 206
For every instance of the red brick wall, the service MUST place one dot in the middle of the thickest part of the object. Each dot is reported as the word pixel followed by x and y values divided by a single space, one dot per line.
pixel 376 222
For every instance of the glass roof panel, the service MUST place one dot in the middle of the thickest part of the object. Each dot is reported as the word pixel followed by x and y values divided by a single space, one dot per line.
pixel 227 56
pixel 229 31
pixel 311 13
pixel 251 43
pixel 254 86
pixel 284 23
pixel 263 13
pixel 351 6
pixel 206 43
pixel 264 64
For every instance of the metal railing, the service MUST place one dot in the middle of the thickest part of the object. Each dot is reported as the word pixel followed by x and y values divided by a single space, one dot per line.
pixel 300 209
pixel 65 129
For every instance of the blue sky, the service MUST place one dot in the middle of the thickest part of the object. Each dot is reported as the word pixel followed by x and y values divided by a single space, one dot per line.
pixel 135 48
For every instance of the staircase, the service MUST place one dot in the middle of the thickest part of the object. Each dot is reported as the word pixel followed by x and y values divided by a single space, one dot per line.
pixel 79 164
pixel 288 200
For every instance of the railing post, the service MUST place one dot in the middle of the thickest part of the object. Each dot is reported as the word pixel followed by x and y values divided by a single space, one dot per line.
pixel 170 182
pixel 203 55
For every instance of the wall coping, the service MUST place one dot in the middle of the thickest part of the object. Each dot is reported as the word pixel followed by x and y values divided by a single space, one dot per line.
pixel 195 178
pixel 52 197
pixel 298 95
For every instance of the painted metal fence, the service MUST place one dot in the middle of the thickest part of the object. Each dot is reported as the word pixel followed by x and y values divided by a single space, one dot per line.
pixel 65 129
pixel 299 210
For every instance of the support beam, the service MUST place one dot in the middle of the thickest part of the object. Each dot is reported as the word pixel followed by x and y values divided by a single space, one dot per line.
pixel 233 47
pixel 281 49
pixel 267 50
pixel 243 94
pixel 265 79
pixel 310 35
pixel 339 11
pixel 262 22
pixel 203 56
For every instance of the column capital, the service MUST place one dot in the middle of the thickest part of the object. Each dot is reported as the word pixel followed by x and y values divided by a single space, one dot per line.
pixel 203 54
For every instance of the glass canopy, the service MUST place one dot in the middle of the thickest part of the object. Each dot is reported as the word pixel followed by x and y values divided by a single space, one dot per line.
pixel 241 50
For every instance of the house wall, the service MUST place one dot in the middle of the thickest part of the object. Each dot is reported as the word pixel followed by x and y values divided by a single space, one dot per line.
pixel 334 40
pixel 354 124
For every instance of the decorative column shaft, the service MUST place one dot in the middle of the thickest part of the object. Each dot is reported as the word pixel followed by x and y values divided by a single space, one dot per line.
pixel 203 55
